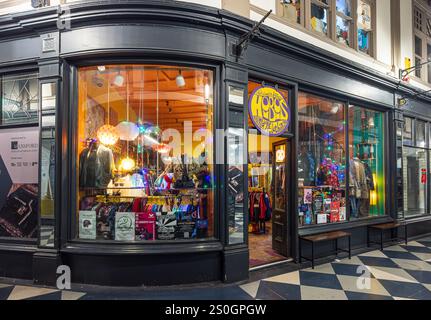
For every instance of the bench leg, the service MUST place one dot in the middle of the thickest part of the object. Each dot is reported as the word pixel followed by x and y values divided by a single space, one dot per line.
pixel 350 248
pixel 406 235
pixel 312 255
pixel 381 240
pixel 368 237
pixel 300 251
pixel 336 247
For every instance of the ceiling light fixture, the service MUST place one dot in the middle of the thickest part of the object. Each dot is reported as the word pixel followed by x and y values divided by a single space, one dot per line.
pixel 181 82
pixel 119 80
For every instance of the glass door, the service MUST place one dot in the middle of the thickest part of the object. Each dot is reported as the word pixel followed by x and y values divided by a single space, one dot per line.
pixel 280 201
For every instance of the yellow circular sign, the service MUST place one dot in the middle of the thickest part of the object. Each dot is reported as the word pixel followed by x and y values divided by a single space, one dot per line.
pixel 269 111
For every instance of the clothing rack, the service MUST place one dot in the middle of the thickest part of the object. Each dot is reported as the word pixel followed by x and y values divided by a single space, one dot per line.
pixel 154 199
pixel 261 223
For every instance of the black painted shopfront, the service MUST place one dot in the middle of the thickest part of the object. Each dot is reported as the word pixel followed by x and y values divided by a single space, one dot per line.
pixel 103 90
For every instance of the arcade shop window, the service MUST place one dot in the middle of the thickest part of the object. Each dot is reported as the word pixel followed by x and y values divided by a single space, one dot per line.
pixel 145 153
pixel 416 155
pixel 19 156
pixel 325 195
pixel 19 99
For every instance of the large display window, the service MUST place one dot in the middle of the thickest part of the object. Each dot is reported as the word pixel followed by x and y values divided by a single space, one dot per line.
pixel 145 153
pixel 415 167
pixel 367 160
pixel 325 194
pixel 19 156
pixel 321 161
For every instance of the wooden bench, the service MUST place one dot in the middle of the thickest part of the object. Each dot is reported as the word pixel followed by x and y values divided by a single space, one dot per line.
pixel 323 237
pixel 384 227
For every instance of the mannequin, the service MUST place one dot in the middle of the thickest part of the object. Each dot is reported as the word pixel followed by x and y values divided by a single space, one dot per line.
pixel 359 188
pixel 96 165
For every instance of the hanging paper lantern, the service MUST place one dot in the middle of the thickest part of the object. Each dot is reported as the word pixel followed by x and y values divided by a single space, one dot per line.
pixel 127 164
pixel 107 135
pixel 128 131
pixel 162 148
pixel 153 131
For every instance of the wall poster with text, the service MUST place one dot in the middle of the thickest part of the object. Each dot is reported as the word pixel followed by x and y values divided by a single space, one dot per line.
pixel 19 163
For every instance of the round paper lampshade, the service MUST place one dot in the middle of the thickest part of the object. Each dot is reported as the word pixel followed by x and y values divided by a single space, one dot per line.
pixel 127 131
pixel 127 164
pixel 107 135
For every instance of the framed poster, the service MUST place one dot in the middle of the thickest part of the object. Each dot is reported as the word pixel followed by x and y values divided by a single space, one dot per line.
pixel 125 226
pixel 87 225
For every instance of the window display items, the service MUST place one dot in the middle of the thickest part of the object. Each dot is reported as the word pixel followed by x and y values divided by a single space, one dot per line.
pixel 127 131
pixel 96 165
pixel 125 226
pixel 321 161
pixel 127 164
pixel 361 183
pixel 108 135
pixel 87 225
pixel 141 188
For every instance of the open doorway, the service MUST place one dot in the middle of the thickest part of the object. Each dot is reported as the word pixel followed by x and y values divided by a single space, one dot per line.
pixel 268 204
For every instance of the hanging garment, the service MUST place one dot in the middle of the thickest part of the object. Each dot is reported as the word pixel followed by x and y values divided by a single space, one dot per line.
pixel 359 186
pixel 96 165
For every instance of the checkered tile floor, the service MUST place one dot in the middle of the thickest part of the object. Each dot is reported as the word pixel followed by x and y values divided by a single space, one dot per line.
pixel 400 272
pixel 21 292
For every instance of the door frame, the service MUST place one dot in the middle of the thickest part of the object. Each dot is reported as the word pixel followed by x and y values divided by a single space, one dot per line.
pixel 286 241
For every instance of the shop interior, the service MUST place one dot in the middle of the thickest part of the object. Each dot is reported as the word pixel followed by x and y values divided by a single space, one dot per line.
pixel 144 153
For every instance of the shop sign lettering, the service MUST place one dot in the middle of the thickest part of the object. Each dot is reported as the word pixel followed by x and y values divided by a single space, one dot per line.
pixel 269 111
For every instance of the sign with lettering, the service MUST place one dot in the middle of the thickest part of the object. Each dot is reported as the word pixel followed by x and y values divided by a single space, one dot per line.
pixel 269 111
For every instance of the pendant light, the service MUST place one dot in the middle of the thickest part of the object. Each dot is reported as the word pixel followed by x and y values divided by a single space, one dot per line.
pixel 107 134
pixel 181 82
pixel 128 131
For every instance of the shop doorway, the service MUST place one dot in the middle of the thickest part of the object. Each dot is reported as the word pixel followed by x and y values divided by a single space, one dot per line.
pixel 268 204
pixel 268 174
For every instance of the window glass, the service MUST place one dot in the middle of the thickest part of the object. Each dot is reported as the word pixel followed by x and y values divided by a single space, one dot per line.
pixel 408 131
pixel 321 161
pixel 418 72
pixel 429 59
pixel 292 10
pixel 344 7
pixel 415 181
pixel 418 46
pixel 367 174
pixel 19 99
pixel 47 165
pixel 364 26
pixel 235 194
pixel 343 31
pixel 420 134
pixel 145 153
pixel 319 17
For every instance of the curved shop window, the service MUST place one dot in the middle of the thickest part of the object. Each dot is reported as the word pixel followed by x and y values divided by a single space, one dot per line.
pixel 326 193
pixel 145 153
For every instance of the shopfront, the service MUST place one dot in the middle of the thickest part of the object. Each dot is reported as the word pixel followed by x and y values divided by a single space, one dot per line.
pixel 160 157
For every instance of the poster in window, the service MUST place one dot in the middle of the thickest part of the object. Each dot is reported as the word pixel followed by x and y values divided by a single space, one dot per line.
pixel 125 226
pixel 364 16
pixel 87 225
pixel 19 163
